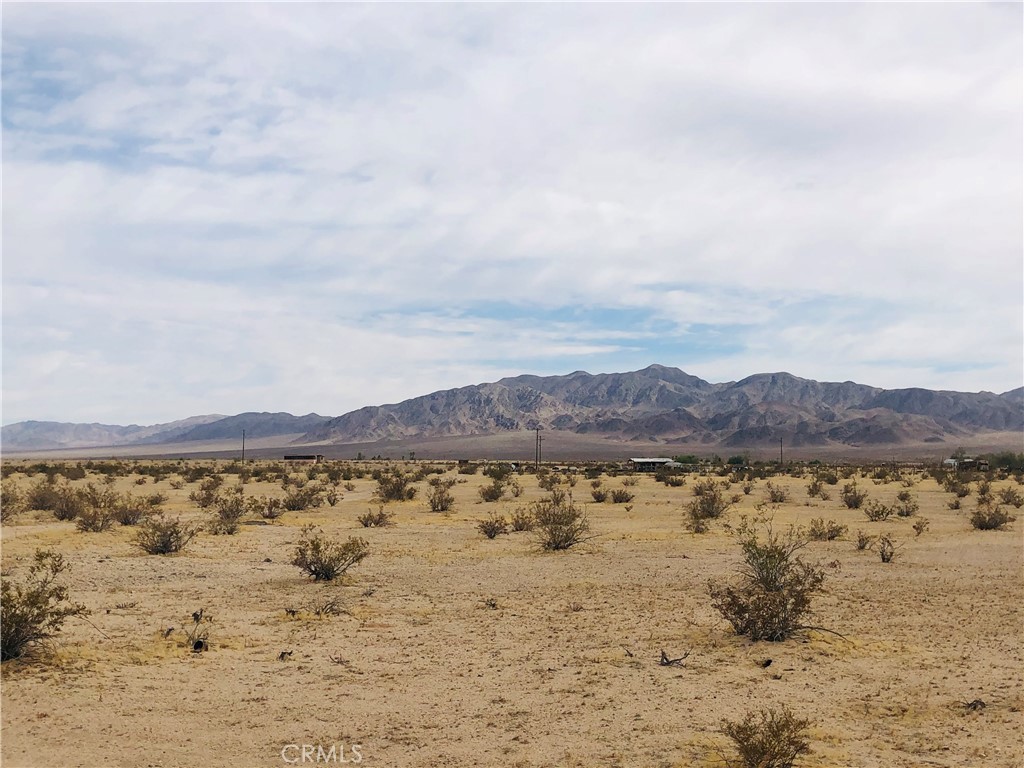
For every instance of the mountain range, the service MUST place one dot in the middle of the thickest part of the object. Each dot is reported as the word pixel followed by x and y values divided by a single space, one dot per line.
pixel 656 405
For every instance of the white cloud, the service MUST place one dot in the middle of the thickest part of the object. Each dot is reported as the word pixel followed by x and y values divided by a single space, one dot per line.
pixel 287 207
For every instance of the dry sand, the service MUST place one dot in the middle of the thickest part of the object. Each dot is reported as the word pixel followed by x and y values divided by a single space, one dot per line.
pixel 461 651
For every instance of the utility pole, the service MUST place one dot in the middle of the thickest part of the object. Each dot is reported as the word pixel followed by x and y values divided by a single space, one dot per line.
pixel 537 458
pixel 780 450
pixel 243 446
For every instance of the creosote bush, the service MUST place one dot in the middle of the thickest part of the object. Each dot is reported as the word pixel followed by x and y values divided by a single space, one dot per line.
pixel 94 520
pixel 379 519
pixel 852 496
pixel 440 497
pixel 864 541
pixel 621 496
pixel 560 523
pixel 987 517
pixel 600 495
pixel 775 494
pixel 34 610
pixel 886 549
pixel 770 738
pixel 12 500
pixel 708 503
pixel 162 535
pixel 773 593
pixel 523 520
pixel 325 560
pixel 228 508
pixel 493 526
pixel 906 505
pixel 1012 497
pixel 394 485
pixel 820 530
pixel 876 511
pixel 492 492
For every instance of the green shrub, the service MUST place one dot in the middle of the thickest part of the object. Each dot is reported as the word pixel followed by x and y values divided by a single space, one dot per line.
pixel 33 611
pixel 325 560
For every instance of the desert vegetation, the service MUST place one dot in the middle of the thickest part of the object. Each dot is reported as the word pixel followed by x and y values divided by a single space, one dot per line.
pixel 571 629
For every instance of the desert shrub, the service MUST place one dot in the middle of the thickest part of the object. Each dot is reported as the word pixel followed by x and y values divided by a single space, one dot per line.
pixel 984 492
pixel 820 530
pixel 228 510
pixel 775 494
pixel 954 503
pixel 548 480
pixel 1012 497
pixel 876 511
pixel 747 488
pixel 500 471
pixel 440 497
pixel 886 549
pixel 770 738
pixel 306 497
pixel 331 496
pixel 775 587
pixel 379 519
pixel 708 503
pixel 906 505
pixel 162 535
pixel 600 495
pixel 44 495
pixel 94 520
pixel 814 487
pixel 621 496
pixel 493 526
pixel 468 469
pixel 393 485
pixel 559 524
pixel 864 541
pixel 988 517
pixel 34 610
pixel 852 496
pixel 325 560
pixel 177 484
pixel 129 510
pixel 70 503
pixel 920 526
pixel 523 520
pixel 12 500
pixel 630 481
pixel 206 495
pixel 673 480
pixel 492 492
pixel 268 509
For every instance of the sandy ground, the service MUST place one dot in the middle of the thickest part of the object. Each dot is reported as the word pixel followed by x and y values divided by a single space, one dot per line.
pixel 456 650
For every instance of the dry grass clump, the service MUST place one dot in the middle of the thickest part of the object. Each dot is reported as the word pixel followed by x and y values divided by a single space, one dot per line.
pixel 325 560
pixel 33 611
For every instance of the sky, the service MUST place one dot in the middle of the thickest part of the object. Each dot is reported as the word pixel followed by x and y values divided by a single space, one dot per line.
pixel 218 208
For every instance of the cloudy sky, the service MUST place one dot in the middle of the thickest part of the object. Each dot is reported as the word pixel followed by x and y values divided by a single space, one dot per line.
pixel 222 208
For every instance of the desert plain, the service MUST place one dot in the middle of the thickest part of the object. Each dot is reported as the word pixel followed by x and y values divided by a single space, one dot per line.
pixel 446 648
